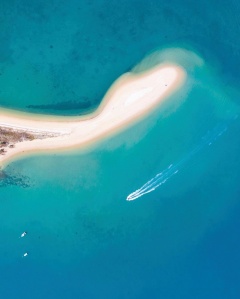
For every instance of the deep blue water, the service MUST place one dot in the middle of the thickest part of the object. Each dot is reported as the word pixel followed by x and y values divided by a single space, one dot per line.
pixel 84 239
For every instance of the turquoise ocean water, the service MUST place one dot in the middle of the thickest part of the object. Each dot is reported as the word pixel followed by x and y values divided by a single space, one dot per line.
pixel 84 239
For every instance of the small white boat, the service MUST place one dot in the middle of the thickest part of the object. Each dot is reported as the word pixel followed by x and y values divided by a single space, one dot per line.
pixel 25 254
pixel 23 234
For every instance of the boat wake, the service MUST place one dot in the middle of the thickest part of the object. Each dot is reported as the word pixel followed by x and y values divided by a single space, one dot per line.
pixel 162 177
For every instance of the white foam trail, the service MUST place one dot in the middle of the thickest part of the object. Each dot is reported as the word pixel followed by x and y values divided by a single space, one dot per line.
pixel 154 183
pixel 162 177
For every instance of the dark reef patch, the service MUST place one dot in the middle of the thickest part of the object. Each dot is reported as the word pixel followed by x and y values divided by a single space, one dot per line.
pixel 68 105
pixel 14 179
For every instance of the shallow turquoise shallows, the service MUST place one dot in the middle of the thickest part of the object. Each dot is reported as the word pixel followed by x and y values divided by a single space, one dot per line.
pixel 180 237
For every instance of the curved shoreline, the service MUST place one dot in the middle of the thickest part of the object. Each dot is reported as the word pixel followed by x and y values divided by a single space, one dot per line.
pixel 131 97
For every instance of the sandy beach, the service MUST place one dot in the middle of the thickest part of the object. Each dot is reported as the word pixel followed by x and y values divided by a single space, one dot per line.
pixel 131 97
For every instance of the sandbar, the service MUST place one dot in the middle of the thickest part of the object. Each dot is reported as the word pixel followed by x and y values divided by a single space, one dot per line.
pixel 130 98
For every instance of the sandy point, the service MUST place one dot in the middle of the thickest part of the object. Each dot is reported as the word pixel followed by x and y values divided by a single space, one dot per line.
pixel 130 98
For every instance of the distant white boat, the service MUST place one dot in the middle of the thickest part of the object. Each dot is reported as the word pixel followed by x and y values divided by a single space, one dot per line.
pixel 23 234
pixel 25 254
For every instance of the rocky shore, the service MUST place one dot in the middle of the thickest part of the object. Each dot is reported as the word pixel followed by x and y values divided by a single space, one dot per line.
pixel 9 137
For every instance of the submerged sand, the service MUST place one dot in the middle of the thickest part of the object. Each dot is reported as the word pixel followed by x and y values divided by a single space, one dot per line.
pixel 131 97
